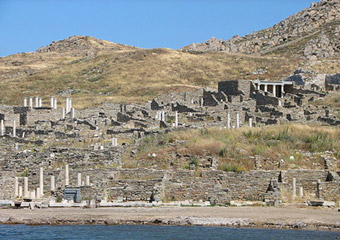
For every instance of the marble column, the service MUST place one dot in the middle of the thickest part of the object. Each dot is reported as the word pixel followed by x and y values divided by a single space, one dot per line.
pixel 36 102
pixel 41 181
pixel 67 105
pixel 2 128
pixel 163 116
pixel 237 120
pixel 14 129
pixel 301 192
pixel 30 102
pixel 87 182
pixel 79 179
pixel 40 102
pixel 265 88
pixel 67 176
pixel 72 113
pixel 114 142
pixel 55 104
pixel 26 193
pixel 52 183
pixel 176 119
pixel 274 90
pixel 250 122
pixel 282 90
pixel 52 102
pixel 25 102
pixel 228 120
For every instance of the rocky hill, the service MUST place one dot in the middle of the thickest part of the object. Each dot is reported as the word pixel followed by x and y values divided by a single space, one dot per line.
pixel 83 45
pixel 313 33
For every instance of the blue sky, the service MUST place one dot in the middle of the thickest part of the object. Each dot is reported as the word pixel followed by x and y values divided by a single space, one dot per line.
pixel 27 25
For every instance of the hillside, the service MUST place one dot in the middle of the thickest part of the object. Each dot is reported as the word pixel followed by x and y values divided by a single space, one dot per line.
pixel 94 71
pixel 122 73
pixel 312 32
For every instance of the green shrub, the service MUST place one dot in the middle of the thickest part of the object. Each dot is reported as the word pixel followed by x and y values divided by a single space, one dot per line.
pixel 194 161
pixel 223 152
pixel 231 167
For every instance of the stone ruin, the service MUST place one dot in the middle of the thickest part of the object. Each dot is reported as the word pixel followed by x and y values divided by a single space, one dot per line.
pixel 48 151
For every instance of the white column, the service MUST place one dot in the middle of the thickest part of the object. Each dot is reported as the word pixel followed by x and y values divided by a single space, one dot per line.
pixel 38 192
pixel 176 119
pixel 55 104
pixel 294 188
pixel 14 129
pixel 274 90
pixel 163 116
pixel 52 102
pixel 282 90
pixel 258 86
pixel 36 102
pixel 265 88
pixel 67 176
pixel 114 142
pixel 228 120
pixel 67 107
pixel 26 194
pixel 250 122
pixel 16 187
pixel 40 102
pixel 52 183
pixel 70 103
pixel 301 192
pixel 30 102
pixel 41 181
pixel 87 183
pixel 237 120
pixel 2 128
pixel 202 102
pixel 25 102
pixel 63 113
pixel 20 191
pixel 72 113
pixel 79 179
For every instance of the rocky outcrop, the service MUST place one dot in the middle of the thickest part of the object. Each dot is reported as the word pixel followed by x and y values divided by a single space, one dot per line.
pixel 313 32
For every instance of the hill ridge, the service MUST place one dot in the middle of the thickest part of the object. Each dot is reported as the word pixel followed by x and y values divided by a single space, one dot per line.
pixel 321 19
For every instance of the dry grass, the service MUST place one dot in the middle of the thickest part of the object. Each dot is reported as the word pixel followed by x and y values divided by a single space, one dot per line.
pixel 128 76
pixel 235 148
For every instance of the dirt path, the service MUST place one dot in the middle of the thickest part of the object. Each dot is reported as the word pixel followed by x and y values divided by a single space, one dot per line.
pixel 264 217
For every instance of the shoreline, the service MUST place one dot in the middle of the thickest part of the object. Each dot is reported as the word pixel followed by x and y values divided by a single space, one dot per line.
pixel 244 217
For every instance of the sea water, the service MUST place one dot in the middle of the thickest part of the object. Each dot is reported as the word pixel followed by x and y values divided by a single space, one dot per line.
pixel 17 232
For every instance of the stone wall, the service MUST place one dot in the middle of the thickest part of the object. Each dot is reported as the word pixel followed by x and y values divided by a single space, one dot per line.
pixel 329 191
pixel 304 178
pixel 218 187
pixel 235 87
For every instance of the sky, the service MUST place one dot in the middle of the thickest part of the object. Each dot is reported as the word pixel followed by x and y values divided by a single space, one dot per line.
pixel 26 25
